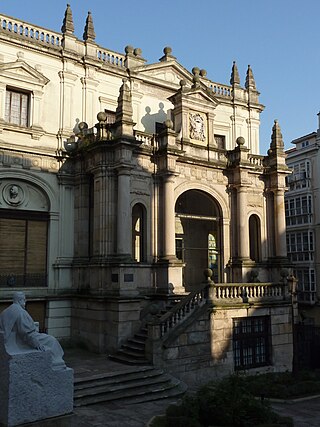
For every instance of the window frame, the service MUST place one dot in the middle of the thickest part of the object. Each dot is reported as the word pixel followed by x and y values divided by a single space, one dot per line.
pixel 8 114
pixel 251 334
pixel 23 281
pixel 139 244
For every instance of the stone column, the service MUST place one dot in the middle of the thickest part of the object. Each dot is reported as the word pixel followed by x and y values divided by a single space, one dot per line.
pixel 124 213
pixel 280 223
pixel 169 230
pixel 243 228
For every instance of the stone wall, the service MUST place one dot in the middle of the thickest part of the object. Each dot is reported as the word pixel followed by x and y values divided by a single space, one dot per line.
pixel 103 324
pixel 203 350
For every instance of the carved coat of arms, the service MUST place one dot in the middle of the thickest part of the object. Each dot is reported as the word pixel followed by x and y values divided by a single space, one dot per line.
pixel 197 127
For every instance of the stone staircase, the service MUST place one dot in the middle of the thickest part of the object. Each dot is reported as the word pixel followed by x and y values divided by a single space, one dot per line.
pixel 133 351
pixel 136 385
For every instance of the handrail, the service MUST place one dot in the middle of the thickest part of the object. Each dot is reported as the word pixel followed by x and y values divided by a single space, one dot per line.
pixel 180 311
pixel 217 294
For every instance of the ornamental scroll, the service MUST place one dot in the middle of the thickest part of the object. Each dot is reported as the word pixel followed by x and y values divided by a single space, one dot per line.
pixel 197 127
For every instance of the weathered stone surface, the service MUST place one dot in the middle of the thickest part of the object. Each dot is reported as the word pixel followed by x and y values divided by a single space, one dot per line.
pixel 31 389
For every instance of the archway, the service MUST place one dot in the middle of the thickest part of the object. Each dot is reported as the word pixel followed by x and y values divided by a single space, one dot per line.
pixel 198 236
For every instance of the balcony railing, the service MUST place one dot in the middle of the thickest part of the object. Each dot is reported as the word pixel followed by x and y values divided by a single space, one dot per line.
pixel 29 31
pixel 217 295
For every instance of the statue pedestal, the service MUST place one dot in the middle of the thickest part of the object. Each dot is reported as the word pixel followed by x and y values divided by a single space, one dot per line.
pixel 31 389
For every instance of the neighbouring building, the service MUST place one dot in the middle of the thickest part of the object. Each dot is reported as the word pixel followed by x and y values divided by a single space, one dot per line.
pixel 121 182
pixel 302 219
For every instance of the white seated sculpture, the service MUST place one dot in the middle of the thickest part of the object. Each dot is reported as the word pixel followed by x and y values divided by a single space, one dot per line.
pixel 20 332
pixel 34 381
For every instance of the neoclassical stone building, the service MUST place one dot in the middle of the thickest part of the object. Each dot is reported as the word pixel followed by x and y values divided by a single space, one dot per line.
pixel 122 181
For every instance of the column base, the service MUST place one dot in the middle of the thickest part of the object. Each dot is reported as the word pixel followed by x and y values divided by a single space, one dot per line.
pixel 169 276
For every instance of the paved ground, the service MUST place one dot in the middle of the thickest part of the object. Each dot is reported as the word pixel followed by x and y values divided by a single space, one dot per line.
pixel 306 413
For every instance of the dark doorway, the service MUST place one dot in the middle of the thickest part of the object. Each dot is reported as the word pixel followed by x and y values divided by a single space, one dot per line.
pixel 198 237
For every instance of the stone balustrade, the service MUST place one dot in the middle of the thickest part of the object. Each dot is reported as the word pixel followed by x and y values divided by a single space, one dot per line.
pixel 29 31
pixel 256 160
pixel 178 313
pixel 246 292
pixel 219 89
pixel 147 139
pixel 110 57
pixel 217 295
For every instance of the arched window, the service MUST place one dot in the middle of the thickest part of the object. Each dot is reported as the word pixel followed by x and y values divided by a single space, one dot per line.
pixel 138 233
pixel 255 238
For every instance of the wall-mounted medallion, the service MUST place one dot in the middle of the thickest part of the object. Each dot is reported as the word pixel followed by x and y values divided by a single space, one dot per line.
pixel 13 194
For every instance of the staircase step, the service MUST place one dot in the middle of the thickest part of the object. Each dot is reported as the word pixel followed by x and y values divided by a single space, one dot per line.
pixel 145 392
pixel 140 338
pixel 131 353
pixel 128 360
pixel 88 383
pixel 125 386
pixel 176 391
pixel 133 347
pixel 136 342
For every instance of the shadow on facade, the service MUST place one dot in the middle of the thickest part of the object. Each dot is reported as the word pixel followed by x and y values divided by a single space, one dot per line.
pixel 150 121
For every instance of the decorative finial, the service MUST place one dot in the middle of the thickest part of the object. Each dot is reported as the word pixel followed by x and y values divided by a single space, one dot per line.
pixel 250 83
pixel 196 77
pixel 235 78
pixel 167 51
pixel 67 25
pixel 240 141
pixel 276 137
pixel 89 34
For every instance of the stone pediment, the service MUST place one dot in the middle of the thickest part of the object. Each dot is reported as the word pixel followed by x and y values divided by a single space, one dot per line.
pixel 195 97
pixel 202 94
pixel 22 72
pixel 168 71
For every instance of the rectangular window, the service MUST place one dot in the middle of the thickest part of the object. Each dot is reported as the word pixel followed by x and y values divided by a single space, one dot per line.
pixel 306 284
pixel 300 246
pixel 220 141
pixel 17 108
pixel 298 210
pixel 251 342
pixel 301 174
pixel 23 252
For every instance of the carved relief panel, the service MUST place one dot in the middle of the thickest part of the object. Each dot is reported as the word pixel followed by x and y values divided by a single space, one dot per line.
pixel 21 195
pixel 197 127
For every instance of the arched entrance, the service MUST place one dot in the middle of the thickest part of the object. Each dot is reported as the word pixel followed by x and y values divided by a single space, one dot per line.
pixel 198 236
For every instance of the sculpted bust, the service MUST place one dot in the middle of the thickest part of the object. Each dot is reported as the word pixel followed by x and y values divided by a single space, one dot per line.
pixel 20 331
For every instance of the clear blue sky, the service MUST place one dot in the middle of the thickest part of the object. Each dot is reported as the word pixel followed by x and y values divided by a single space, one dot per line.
pixel 278 38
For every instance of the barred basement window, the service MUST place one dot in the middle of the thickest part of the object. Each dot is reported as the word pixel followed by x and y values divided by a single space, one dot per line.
pixel 17 107
pixel 251 342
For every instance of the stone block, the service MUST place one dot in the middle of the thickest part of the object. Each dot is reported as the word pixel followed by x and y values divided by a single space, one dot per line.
pixel 198 337
pixel 31 389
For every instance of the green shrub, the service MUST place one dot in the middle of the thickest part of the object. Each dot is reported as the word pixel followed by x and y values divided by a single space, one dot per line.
pixel 228 403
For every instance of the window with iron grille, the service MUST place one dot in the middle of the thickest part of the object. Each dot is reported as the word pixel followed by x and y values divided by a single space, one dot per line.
pixel 17 107
pixel 251 342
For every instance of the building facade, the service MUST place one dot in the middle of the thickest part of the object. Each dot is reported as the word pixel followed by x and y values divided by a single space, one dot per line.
pixel 302 218
pixel 122 181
